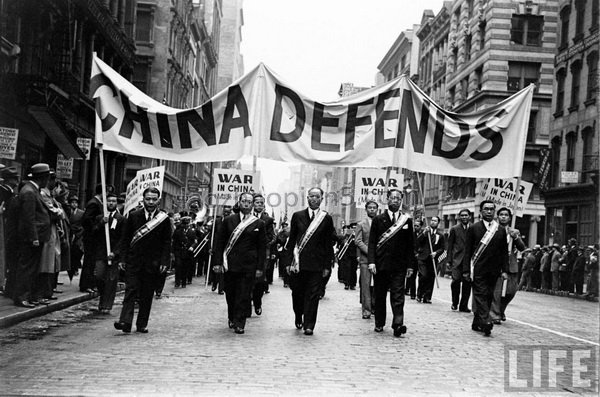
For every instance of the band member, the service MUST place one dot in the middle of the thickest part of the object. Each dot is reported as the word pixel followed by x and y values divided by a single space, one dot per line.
pixel 486 258
pixel 107 273
pixel 184 239
pixel 261 283
pixel 241 251
pixel 310 249
pixel 505 291
pixel 430 245
pixel 145 254
pixel 461 281
pixel 391 260
pixel 346 257
pixel 363 230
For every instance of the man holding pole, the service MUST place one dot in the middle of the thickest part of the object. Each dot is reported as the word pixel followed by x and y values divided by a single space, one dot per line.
pixel 145 253
pixel 486 258
pixel 241 251
pixel 461 280
pixel 430 245
pixel 391 260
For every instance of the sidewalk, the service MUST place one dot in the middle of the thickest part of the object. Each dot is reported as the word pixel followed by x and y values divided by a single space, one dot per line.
pixel 11 314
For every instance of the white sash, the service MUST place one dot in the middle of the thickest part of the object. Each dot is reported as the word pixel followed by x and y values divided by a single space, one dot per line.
pixel 237 232
pixel 392 230
pixel 148 227
pixel 485 240
pixel 295 267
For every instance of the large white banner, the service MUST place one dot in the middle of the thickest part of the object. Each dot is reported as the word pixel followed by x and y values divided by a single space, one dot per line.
pixel 228 184
pixel 503 193
pixel 370 184
pixel 149 177
pixel 394 124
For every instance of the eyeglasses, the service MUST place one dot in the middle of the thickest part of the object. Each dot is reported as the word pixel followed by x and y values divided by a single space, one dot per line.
pixel 246 201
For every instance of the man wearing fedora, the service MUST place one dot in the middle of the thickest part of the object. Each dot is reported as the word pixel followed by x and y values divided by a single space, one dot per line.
pixel 9 208
pixel 32 232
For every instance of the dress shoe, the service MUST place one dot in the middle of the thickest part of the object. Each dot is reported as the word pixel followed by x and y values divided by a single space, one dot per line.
pixel 267 292
pixel 52 298
pixel 299 325
pixel 182 285
pixel 122 326
pixel 503 318
pixel 427 301
pixel 378 329
pixel 238 330
pixel 419 299
pixel 497 321
pixel 453 307
pixel 464 310
pixel 44 302
pixel 25 304
pixel 347 287
pixel 366 316
pixel 308 331
pixel 59 283
pixel 34 302
pixel 58 291
pixel 90 290
pixel 141 330
pixel 258 311
pixel 476 328
pixel 353 288
pixel 487 329
pixel 400 330
pixel 158 296
pixel 413 297
pixel 221 292
pixel 230 324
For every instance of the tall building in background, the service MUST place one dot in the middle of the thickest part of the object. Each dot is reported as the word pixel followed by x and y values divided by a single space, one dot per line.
pixel 572 185
pixel 231 61
pixel 177 47
pixel 46 56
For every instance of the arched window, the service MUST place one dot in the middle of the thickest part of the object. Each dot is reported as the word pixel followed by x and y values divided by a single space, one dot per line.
pixel 565 15
pixel 571 149
pixel 590 158
pixel 579 19
pixel 555 161
pixel 575 84
pixel 561 75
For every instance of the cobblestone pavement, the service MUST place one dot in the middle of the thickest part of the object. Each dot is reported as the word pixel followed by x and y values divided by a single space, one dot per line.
pixel 190 351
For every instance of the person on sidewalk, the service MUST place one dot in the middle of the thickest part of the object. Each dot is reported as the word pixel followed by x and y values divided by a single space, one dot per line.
pixel 503 295
pixel 93 210
pixel 260 286
pixel 75 220
pixel 107 275
pixel 145 254
pixel 430 245
pixel 363 230
pixel 309 250
pixel 241 251
pixel 10 217
pixel 33 232
pixel 391 260
pixel 486 257
pixel 461 281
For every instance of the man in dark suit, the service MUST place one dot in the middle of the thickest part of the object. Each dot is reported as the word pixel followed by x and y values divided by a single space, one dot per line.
pixel 487 254
pixel 145 254
pixel 33 232
pixel 461 281
pixel 430 245
pixel 363 230
pixel 75 220
pixel 391 260
pixel 310 255
pixel 93 211
pixel 106 274
pixel 9 209
pixel 241 252
pixel 261 283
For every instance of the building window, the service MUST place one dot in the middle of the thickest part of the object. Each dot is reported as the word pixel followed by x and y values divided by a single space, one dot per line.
pixel 555 161
pixel 455 58
pixel 579 19
pixel 481 36
pixel 464 88
pixel 532 126
pixel 565 15
pixel 595 14
pixel 571 146
pixel 451 95
pixel 403 62
pixel 140 76
pixel 521 74
pixel 592 84
pixel 560 90
pixel 527 29
pixel 144 25
pixel 575 83
pixel 479 77
pixel 590 159
pixel 468 47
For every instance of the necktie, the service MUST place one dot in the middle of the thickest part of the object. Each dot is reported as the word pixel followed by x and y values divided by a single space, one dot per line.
pixel 110 219
pixel 394 218
pixel 312 215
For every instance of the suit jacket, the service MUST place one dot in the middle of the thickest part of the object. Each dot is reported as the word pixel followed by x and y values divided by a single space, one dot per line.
pixel 363 230
pixel 150 252
pixel 457 241
pixel 250 250
pixel 398 253
pixel 270 231
pixel 92 214
pixel 437 244
pixel 34 222
pixel 494 258
pixel 114 236
pixel 317 255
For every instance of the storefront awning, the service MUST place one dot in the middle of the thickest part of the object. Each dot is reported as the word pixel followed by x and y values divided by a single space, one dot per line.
pixel 56 134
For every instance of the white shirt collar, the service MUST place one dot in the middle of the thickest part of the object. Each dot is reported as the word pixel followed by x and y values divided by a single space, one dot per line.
pixel 391 214
pixel 149 213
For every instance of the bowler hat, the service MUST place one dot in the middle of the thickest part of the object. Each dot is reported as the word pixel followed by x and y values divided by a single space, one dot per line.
pixel 39 169
pixel 10 172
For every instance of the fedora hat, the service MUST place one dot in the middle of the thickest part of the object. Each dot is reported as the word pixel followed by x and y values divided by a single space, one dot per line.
pixel 39 169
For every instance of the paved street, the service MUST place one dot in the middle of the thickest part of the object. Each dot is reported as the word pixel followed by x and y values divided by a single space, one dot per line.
pixel 190 350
